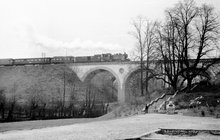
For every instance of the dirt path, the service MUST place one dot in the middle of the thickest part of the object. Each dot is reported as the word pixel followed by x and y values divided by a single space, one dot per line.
pixel 114 129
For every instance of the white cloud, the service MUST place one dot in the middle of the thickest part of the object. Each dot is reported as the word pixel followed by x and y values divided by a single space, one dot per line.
pixel 77 47
pixel 82 27
pixel 21 39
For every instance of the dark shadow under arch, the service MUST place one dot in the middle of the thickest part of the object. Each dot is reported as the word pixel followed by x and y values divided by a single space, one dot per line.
pixel 92 72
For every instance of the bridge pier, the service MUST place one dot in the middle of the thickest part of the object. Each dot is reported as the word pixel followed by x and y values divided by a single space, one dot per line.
pixel 121 94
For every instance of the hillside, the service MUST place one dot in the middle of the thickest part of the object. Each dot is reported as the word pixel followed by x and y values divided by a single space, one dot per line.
pixel 31 90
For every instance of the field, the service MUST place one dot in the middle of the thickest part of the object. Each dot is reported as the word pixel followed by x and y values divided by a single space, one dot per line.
pixel 27 125
pixel 110 129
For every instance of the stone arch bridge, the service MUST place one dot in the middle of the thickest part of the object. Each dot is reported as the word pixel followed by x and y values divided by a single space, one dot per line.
pixel 120 70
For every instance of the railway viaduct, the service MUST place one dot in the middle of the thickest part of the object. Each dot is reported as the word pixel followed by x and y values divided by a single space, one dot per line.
pixel 120 70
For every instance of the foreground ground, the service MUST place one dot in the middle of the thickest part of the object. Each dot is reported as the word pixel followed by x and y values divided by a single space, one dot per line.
pixel 38 124
pixel 116 128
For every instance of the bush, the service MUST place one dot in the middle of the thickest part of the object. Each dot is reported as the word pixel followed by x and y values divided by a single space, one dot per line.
pixel 207 86
pixel 181 105
pixel 203 113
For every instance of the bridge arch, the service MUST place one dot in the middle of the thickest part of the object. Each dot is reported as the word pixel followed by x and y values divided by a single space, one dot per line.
pixel 88 76
pixel 132 71
pixel 129 74
pixel 153 83
pixel 100 68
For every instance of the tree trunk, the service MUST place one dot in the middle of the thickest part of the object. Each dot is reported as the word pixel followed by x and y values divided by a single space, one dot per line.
pixel 146 82
pixel 3 111
pixel 174 88
pixel 10 112
pixel 141 81
pixel 189 84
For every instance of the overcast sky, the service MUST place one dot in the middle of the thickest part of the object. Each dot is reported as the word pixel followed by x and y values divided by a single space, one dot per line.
pixel 73 27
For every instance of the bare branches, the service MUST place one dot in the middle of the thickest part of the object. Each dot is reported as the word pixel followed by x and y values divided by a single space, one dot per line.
pixel 189 32
pixel 144 34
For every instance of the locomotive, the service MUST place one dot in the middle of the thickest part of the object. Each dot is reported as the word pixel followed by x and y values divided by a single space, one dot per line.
pixel 108 57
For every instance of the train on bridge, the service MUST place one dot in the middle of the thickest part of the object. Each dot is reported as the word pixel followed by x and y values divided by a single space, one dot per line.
pixel 108 57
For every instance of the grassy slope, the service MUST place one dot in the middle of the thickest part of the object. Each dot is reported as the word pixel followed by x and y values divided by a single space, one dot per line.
pixel 117 111
pixel 27 125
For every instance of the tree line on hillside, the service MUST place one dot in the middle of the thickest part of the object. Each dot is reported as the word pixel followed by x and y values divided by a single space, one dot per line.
pixel 188 34
pixel 47 92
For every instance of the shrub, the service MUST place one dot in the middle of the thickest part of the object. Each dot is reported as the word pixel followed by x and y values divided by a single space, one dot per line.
pixel 203 113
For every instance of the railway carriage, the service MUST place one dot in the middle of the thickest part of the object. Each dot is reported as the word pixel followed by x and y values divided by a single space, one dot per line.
pixel 6 62
pixel 108 57
pixel 20 61
pixel 39 60
pixel 33 61
pixel 82 59
pixel 62 59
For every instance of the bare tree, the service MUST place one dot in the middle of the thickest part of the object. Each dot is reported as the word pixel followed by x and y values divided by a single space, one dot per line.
pixel 72 84
pixel 35 97
pixel 2 103
pixel 169 51
pixel 207 28
pixel 90 99
pixel 107 89
pixel 198 28
pixel 132 90
pixel 12 100
pixel 191 34
pixel 144 33
pixel 67 78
